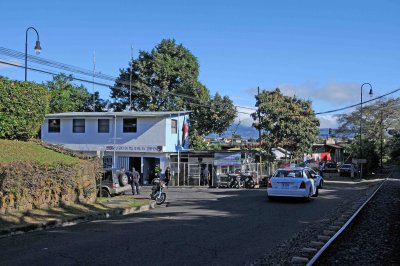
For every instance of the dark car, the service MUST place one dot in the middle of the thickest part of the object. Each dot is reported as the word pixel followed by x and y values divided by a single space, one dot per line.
pixel 113 182
pixel 348 169
pixel 330 167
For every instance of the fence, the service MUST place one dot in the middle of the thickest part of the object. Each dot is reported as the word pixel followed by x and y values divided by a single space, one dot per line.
pixel 189 174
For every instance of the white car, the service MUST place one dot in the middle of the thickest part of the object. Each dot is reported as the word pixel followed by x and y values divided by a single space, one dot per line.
pixel 318 179
pixel 291 182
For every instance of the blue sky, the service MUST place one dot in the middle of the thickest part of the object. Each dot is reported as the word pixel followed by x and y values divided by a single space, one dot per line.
pixel 318 50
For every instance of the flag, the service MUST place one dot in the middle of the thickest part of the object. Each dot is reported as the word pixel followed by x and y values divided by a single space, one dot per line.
pixel 185 133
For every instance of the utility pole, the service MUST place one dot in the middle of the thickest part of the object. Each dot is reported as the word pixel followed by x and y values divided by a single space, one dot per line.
pixel 130 81
pixel 94 69
pixel 259 116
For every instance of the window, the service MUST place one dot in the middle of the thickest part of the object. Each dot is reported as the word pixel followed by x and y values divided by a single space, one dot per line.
pixel 130 125
pixel 78 126
pixel 54 125
pixel 103 126
pixel 174 126
pixel 107 162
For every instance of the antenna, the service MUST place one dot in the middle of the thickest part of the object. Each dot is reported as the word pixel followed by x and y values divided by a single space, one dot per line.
pixel 94 69
pixel 130 80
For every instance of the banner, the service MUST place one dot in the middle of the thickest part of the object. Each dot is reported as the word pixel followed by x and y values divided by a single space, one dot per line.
pixel 227 158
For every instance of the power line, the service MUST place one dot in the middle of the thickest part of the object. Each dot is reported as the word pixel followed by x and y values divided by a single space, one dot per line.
pixel 99 75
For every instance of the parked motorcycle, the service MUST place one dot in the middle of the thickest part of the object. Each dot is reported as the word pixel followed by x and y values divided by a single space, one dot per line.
pixel 157 191
pixel 248 180
pixel 235 181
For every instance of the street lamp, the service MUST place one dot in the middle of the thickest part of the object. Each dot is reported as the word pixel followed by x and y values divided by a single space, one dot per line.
pixel 38 49
pixel 370 94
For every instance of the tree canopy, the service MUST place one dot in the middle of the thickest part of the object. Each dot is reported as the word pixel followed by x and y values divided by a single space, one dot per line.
pixel 286 122
pixel 380 125
pixel 67 97
pixel 166 79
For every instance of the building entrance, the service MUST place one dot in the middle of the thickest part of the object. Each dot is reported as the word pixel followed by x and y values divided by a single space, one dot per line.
pixel 149 164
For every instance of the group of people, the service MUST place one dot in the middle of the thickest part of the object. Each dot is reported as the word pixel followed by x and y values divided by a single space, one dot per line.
pixel 134 177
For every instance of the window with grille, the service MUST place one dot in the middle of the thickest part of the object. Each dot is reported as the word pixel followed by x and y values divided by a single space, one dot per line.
pixel 130 125
pixel 54 125
pixel 103 126
pixel 78 126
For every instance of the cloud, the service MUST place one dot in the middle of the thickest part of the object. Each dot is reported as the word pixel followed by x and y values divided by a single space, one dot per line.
pixel 333 92
pixel 328 121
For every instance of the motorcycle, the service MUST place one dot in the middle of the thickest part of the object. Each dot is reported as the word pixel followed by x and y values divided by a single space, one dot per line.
pixel 235 181
pixel 157 191
pixel 248 180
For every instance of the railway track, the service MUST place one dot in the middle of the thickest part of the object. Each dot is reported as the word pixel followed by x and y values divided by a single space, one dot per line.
pixel 344 242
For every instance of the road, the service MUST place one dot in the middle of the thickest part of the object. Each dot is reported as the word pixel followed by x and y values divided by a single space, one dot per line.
pixel 200 226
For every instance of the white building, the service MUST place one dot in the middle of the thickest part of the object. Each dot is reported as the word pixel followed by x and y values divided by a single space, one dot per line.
pixel 124 139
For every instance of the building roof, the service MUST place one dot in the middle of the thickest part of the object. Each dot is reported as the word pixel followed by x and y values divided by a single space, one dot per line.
pixel 117 114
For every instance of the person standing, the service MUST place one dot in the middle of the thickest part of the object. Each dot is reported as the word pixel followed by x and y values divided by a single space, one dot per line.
pixel 167 176
pixel 206 176
pixel 135 181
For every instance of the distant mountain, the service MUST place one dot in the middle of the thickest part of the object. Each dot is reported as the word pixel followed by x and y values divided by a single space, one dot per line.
pixel 245 132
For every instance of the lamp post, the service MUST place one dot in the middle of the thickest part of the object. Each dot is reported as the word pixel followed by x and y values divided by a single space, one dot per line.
pixel 370 94
pixel 38 49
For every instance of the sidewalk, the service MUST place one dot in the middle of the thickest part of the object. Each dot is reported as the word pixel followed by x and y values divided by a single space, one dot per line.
pixel 41 219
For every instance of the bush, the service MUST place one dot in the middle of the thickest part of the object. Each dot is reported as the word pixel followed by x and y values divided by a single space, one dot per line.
pixel 23 106
pixel 27 185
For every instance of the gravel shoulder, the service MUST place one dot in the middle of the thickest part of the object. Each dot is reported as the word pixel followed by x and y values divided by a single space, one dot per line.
pixel 283 253
pixel 374 238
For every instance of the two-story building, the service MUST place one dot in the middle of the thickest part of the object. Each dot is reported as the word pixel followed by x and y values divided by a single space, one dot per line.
pixel 124 139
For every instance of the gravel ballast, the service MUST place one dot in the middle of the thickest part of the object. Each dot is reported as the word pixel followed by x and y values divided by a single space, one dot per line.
pixel 372 239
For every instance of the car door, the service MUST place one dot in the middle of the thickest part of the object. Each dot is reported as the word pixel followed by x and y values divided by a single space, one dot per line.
pixel 312 182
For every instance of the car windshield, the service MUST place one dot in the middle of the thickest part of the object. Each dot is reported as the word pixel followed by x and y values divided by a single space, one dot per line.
pixel 288 173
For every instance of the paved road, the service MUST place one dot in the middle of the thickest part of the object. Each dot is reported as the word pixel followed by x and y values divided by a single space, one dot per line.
pixel 199 226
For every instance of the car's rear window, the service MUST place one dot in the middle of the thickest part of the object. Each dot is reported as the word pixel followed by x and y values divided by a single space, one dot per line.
pixel 288 173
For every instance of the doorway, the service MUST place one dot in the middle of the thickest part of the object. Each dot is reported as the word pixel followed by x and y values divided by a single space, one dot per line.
pixel 137 163
pixel 148 169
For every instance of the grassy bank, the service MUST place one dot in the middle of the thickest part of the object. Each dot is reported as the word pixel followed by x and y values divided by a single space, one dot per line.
pixel 12 151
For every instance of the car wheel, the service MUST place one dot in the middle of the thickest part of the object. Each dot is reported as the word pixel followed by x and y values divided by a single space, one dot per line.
pixel 321 184
pixel 104 193
pixel 316 193
pixel 270 198
pixel 123 180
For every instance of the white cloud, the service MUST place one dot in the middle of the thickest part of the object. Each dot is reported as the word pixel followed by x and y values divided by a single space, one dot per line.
pixel 332 92
pixel 243 115
pixel 328 121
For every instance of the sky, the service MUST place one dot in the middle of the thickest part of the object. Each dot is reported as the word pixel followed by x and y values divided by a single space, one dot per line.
pixel 320 51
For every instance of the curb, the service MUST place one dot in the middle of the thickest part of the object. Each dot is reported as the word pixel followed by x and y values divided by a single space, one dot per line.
pixel 18 230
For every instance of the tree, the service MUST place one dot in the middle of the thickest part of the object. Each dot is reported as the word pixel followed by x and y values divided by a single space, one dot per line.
pixel 23 106
pixel 377 119
pixel 166 79
pixel 67 97
pixel 215 117
pixel 169 69
pixel 286 122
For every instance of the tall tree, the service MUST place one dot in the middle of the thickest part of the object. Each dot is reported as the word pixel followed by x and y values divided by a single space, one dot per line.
pixel 378 118
pixel 166 79
pixel 286 122
pixel 169 69
pixel 67 97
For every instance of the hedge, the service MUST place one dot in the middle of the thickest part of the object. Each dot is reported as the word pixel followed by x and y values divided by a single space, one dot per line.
pixel 23 106
pixel 28 185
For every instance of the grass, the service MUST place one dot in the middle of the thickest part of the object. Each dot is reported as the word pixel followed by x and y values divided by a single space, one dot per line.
pixel 35 216
pixel 12 150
